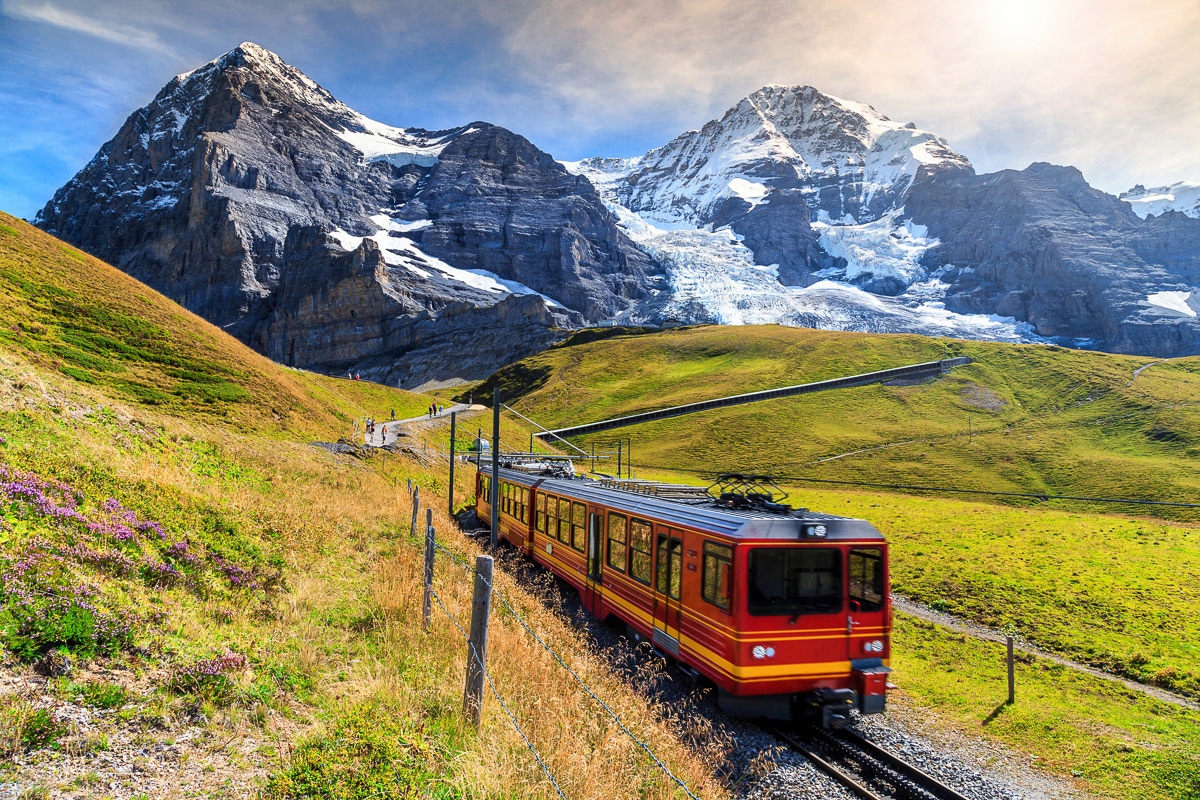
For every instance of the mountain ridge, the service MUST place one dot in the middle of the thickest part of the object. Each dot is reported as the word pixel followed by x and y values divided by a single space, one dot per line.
pixel 332 241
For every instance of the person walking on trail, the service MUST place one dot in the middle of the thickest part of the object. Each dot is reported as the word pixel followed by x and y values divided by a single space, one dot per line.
pixel 393 415
pixel 441 409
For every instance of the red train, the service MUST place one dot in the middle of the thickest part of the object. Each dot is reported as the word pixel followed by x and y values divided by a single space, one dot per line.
pixel 786 611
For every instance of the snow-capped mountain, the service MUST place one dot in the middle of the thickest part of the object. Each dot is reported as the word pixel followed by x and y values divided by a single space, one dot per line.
pixel 804 209
pixel 331 241
pixel 328 240
pixel 1183 197
pixel 849 163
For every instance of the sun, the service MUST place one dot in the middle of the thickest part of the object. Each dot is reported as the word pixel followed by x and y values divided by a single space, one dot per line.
pixel 1017 24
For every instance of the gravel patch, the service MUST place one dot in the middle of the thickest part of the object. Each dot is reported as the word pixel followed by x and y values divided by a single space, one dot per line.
pixel 139 750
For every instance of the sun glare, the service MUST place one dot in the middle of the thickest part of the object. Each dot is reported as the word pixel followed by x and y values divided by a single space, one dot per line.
pixel 1017 23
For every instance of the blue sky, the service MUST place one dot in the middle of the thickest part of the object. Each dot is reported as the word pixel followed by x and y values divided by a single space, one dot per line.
pixel 1110 86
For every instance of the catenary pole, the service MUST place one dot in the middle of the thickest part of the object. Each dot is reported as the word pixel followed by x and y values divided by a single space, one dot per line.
pixel 453 414
pixel 495 493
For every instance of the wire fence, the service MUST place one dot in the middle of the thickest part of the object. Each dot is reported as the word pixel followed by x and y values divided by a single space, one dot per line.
pixel 474 657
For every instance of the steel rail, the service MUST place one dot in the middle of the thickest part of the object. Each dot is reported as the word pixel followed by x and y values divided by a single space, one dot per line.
pixel 875 765
pixel 844 778
pixel 910 771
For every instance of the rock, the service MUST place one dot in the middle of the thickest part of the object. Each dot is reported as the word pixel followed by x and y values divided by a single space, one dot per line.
pixel 328 241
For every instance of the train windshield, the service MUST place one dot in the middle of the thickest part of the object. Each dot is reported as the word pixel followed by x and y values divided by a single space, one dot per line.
pixel 795 581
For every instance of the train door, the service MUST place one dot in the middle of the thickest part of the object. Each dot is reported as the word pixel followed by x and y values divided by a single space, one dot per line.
pixel 866 614
pixel 592 594
pixel 668 589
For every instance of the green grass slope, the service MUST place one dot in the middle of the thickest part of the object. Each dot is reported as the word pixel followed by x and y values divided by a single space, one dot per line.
pixel 71 313
pixel 1113 586
pixel 1020 418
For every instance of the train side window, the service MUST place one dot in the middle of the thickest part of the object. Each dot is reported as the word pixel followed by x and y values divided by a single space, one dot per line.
pixel 641 538
pixel 564 520
pixel 668 577
pixel 617 525
pixel 578 525
pixel 485 489
pixel 506 498
pixel 540 508
pixel 866 577
pixel 552 516
pixel 718 572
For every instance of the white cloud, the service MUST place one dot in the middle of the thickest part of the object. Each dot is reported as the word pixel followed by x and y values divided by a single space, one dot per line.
pixel 50 14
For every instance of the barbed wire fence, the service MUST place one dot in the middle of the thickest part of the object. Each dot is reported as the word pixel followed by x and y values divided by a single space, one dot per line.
pixel 478 674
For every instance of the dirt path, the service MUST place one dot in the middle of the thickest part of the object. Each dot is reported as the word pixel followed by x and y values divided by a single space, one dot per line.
pixel 389 432
pixel 926 613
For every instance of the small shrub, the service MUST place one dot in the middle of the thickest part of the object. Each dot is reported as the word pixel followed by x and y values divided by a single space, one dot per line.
pixel 104 695
pixel 369 754
pixel 24 728
pixel 210 679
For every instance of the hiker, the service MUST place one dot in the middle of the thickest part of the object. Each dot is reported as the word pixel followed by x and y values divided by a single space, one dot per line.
pixel 441 409
pixel 393 415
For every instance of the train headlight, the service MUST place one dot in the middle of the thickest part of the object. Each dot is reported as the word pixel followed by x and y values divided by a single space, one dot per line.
pixel 815 531
pixel 875 646
pixel 761 652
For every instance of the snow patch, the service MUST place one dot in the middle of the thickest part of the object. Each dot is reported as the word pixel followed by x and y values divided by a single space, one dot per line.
pixel 885 248
pixel 752 193
pixel 400 251
pixel 1172 301
pixel 1183 196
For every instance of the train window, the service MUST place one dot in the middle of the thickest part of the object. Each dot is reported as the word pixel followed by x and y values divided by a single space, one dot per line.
pixel 718 574
pixel 640 540
pixel 617 524
pixel 578 526
pixel 795 581
pixel 552 516
pixel 506 498
pixel 539 506
pixel 669 577
pixel 866 577
pixel 564 520
pixel 484 489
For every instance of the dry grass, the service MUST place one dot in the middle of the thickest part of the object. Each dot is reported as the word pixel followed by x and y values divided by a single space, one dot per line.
pixel 349 615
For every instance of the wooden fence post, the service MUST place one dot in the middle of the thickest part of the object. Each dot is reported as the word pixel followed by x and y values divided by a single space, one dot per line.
pixel 477 643
pixel 430 545
pixel 412 531
pixel 1012 677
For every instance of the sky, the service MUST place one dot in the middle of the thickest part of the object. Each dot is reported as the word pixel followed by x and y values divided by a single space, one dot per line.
pixel 1109 86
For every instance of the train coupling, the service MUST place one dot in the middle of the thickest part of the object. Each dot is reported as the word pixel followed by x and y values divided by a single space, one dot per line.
pixel 832 706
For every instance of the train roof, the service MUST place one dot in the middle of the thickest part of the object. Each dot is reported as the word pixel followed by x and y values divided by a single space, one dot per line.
pixel 735 523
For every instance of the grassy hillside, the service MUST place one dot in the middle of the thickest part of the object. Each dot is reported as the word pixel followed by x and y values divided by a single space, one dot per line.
pixel 1109 585
pixel 1020 418
pixel 195 601
pixel 66 312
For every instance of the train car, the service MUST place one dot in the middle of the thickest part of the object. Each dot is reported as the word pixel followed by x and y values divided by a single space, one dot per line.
pixel 785 611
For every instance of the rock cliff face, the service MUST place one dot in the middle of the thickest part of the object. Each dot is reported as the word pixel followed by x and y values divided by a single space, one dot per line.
pixel 334 242
pixel 326 240
pixel 1043 246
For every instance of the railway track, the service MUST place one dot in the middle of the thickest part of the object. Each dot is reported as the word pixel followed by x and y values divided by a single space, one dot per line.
pixel 863 767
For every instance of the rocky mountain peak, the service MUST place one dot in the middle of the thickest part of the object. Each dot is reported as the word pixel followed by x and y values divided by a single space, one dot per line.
pixel 846 161
pixel 328 240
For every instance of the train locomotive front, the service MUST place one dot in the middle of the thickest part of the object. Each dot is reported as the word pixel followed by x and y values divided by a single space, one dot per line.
pixel 785 611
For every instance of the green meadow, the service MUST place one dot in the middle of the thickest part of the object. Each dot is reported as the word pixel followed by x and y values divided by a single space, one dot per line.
pixel 1111 585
